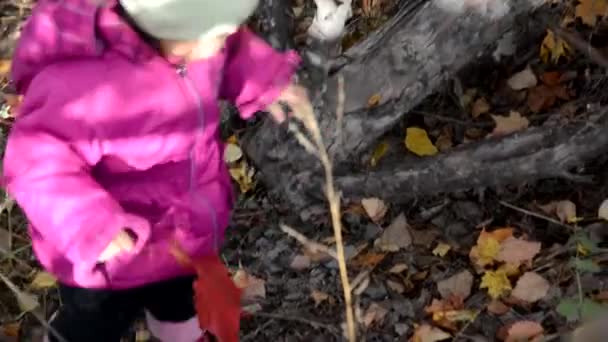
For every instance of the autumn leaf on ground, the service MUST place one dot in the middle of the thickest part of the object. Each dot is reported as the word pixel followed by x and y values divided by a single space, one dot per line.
pixel 378 153
pixel 375 208
pixel 589 10
pixel 496 282
pixel 457 285
pixel 5 67
pixel 522 80
pixel 442 249
pixel 418 142
pixel 300 262
pixel 428 333
pixel 516 251
pixel 368 259
pixel 509 124
pixel 319 297
pixel 448 312
pixel 43 280
pixel 564 210
pixel 396 236
pixel 531 287
pixel 525 331
pixel 232 153
pixel 252 288
pixel 243 174
pixel 480 106
pixel 374 100
pixel 444 140
pixel 374 314
pixel 544 97
pixel 497 307
pixel 488 246
pixel 552 48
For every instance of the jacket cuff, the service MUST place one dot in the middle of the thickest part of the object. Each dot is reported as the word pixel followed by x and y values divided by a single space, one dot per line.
pixel 282 76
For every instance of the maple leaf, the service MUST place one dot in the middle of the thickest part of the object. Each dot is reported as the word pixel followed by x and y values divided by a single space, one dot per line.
pixel 589 10
pixel 496 282
pixel 488 246
pixel 552 48
pixel 418 142
pixel 217 299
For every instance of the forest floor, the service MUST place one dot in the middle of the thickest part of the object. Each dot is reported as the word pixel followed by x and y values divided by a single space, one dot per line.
pixel 520 263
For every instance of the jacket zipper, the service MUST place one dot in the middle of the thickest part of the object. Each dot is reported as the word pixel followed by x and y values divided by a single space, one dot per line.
pixel 182 71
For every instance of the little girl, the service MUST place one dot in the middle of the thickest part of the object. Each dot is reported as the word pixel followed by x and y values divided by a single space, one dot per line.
pixel 116 153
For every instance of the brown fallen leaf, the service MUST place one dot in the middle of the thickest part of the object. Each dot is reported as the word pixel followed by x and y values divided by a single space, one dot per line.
pixel 368 259
pixel 10 329
pixel 374 314
pixel 524 331
pixel 589 10
pixel 457 285
pixel 398 268
pixel 517 251
pixel 375 208
pixel 43 280
pixel 565 210
pixel 428 333
pixel 544 97
pixel 374 100
pixel 395 286
pixel 531 287
pixel 497 307
pixel 396 236
pixel 319 297
pixel 444 140
pixel 480 106
pixel 509 124
pixel 253 288
pixel 5 67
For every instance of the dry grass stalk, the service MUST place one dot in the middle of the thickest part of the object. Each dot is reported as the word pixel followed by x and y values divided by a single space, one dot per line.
pixel 303 112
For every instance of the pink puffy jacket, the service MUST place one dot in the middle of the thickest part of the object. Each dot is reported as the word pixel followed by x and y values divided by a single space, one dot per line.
pixel 111 135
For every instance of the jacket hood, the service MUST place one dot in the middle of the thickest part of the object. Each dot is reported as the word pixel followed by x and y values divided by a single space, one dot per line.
pixel 61 30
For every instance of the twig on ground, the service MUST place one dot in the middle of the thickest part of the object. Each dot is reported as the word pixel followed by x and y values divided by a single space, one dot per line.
pixel 537 215
pixel 307 243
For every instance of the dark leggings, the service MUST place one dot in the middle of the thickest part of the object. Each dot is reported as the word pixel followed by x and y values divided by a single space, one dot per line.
pixel 89 315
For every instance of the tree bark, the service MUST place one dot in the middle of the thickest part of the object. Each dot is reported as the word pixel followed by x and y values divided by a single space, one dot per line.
pixel 425 44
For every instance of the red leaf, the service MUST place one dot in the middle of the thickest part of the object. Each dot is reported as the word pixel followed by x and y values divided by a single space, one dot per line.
pixel 217 299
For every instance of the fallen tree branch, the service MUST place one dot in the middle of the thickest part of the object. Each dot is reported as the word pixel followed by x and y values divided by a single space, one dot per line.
pixel 542 152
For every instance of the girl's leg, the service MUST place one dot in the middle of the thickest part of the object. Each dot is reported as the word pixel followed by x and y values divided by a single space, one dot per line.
pixel 170 311
pixel 94 315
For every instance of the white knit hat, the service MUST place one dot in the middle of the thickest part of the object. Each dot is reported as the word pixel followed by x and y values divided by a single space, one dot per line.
pixel 188 19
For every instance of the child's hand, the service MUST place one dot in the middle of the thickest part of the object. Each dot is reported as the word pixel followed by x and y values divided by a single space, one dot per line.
pixel 292 95
pixel 123 242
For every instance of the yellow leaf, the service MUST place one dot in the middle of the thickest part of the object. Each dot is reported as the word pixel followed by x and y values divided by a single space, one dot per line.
pixel 441 249
pixel 552 48
pixel 232 140
pixel 374 100
pixel 418 142
pixel 378 153
pixel 590 10
pixel 581 249
pixel 243 175
pixel 5 67
pixel 43 280
pixel 496 282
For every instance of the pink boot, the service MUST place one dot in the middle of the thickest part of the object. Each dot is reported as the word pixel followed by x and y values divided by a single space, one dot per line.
pixel 188 331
